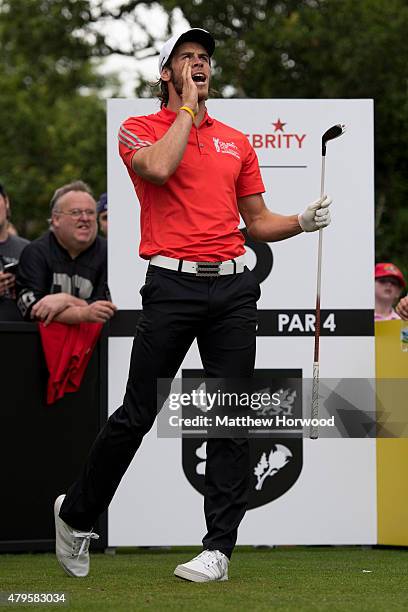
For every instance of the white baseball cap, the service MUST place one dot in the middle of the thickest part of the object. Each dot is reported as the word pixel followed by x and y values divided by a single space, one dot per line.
pixel 193 35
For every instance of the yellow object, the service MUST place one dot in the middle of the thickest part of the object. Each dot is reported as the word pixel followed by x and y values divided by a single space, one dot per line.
pixel 392 453
pixel 189 110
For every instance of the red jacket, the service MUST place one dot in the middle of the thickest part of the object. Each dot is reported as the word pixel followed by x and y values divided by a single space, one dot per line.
pixel 67 350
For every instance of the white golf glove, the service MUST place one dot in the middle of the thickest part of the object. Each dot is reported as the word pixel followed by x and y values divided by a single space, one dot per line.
pixel 316 215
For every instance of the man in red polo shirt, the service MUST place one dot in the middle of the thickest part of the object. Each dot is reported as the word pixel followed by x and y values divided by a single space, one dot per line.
pixel 193 177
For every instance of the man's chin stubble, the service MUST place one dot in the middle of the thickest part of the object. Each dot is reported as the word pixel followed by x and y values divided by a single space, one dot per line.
pixel 179 91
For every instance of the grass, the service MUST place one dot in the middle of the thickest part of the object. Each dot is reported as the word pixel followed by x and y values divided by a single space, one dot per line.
pixel 295 579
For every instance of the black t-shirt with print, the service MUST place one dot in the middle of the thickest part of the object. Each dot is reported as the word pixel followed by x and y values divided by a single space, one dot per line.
pixel 45 268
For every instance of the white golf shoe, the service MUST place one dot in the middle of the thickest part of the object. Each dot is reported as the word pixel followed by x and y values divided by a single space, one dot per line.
pixel 71 545
pixel 208 565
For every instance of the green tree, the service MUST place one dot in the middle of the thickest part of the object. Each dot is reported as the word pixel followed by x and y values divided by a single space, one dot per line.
pixel 53 122
pixel 54 117
pixel 323 49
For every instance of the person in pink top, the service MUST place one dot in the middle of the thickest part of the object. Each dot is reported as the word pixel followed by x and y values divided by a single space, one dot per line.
pixel 389 282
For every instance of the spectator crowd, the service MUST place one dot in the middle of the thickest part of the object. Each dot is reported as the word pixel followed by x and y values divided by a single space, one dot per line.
pixel 62 276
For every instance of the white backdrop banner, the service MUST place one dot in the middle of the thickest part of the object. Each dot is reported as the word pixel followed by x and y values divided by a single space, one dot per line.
pixel 326 493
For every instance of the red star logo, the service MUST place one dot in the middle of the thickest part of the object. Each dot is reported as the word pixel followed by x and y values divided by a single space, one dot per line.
pixel 278 125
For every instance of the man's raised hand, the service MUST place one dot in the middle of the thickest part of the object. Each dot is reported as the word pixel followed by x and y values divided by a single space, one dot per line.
pixel 189 94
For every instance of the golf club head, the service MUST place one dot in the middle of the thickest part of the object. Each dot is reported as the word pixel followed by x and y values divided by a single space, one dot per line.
pixel 334 132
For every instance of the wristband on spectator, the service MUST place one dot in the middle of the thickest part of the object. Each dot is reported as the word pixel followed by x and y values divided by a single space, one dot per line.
pixel 189 110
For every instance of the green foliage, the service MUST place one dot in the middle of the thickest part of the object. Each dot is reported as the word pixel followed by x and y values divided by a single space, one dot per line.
pixel 53 118
pixel 324 49
pixel 53 129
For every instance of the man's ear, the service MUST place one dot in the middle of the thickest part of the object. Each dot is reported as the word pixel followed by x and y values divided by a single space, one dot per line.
pixel 54 218
pixel 8 211
pixel 165 74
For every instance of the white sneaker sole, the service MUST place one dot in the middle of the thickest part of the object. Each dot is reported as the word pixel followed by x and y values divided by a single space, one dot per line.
pixel 188 574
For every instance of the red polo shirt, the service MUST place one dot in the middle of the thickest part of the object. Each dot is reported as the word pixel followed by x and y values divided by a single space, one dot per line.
pixel 194 215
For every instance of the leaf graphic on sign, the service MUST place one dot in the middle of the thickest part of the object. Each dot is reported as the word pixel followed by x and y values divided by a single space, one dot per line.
pixel 262 465
pixel 278 458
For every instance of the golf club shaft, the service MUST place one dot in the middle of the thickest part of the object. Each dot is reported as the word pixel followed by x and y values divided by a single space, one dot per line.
pixel 319 271
pixel 314 430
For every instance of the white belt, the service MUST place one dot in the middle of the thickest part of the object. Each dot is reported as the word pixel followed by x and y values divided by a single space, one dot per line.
pixel 201 268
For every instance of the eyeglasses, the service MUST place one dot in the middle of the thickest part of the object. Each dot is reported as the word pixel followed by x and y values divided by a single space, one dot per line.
pixel 77 213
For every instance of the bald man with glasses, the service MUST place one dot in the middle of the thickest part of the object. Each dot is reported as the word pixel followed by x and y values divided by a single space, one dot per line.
pixel 63 274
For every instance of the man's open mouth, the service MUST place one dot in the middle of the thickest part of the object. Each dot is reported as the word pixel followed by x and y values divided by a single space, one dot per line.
pixel 199 77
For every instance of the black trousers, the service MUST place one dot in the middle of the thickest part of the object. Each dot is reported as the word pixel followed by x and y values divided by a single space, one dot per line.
pixel 177 308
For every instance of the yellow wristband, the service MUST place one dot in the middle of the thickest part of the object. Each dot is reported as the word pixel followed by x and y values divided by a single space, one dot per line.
pixel 189 110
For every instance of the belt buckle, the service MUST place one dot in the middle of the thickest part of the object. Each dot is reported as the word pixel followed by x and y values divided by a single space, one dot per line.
pixel 208 268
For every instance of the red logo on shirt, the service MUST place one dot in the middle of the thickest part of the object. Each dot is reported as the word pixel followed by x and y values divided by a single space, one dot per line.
pixel 226 147
pixel 279 139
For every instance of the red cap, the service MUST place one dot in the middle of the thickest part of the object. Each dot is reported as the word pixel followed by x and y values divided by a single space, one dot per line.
pixel 389 269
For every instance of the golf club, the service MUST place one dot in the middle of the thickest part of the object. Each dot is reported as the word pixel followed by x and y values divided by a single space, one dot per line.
pixel 334 132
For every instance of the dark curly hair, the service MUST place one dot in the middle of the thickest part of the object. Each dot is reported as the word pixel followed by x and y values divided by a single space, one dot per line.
pixel 161 88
